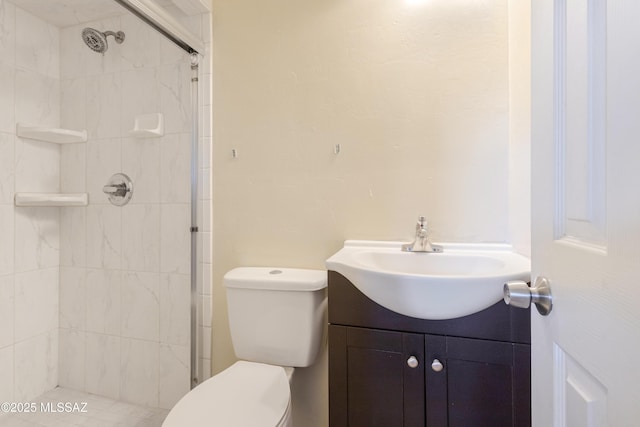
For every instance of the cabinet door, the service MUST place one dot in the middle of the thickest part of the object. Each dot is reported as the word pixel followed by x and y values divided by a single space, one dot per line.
pixel 370 381
pixel 482 383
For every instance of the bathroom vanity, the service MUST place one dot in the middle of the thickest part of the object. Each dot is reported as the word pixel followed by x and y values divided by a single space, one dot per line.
pixel 391 370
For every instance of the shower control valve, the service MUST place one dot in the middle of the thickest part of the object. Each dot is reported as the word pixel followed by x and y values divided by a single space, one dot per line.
pixel 119 189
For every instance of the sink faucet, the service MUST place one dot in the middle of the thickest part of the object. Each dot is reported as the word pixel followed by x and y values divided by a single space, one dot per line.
pixel 421 242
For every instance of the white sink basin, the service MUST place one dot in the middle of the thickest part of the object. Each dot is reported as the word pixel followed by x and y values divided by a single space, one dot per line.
pixel 462 280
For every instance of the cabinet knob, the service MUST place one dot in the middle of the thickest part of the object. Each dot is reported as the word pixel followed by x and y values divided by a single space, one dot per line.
pixel 412 362
pixel 436 365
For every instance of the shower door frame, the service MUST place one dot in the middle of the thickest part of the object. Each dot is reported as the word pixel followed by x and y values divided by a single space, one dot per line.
pixel 166 25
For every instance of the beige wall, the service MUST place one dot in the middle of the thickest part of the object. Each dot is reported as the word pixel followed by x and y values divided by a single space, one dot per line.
pixel 416 94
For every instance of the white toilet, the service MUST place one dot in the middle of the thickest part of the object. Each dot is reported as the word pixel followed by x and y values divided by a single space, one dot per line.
pixel 276 317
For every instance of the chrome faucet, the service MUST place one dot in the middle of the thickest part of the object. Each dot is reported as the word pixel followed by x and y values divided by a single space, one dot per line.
pixel 421 242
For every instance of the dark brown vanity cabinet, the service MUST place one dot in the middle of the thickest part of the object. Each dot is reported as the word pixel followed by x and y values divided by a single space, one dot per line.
pixel 389 370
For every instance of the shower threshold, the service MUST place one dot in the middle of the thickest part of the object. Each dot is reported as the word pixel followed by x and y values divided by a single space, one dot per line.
pixel 62 407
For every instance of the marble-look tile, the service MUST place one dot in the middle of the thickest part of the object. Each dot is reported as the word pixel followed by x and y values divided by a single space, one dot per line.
pixel 139 372
pixel 7 33
pixel 36 303
pixel 175 306
pixel 103 105
pixel 6 312
pixel 72 359
pixel 73 168
pixel 141 162
pixel 175 164
pixel 37 44
pixel 73 96
pixel 140 237
pixel 6 242
pixel 73 242
pixel 174 374
pixel 72 298
pixel 72 63
pixel 104 236
pixel 102 365
pixel 7 98
pixel 6 374
pixel 37 241
pixel 142 46
pixel 37 99
pixel 36 366
pixel 175 87
pixel 37 166
pixel 104 158
pixel 103 301
pixel 143 84
pixel 141 305
pixel 175 238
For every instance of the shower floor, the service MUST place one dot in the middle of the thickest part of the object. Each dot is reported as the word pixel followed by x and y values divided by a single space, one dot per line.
pixel 69 408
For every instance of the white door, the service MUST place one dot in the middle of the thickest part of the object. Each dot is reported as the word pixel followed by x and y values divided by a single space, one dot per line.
pixel 586 211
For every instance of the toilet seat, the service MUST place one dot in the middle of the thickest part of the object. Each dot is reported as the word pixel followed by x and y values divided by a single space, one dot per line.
pixel 247 394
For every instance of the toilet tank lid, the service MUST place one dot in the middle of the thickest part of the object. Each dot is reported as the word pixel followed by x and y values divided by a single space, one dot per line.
pixel 276 279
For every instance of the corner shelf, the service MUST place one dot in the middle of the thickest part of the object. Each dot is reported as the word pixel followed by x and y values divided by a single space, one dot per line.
pixel 54 135
pixel 51 199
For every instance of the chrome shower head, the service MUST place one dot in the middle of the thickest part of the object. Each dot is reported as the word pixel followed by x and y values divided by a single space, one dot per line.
pixel 97 40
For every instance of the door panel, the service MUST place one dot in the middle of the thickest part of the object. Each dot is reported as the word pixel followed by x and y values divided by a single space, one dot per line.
pixel 586 210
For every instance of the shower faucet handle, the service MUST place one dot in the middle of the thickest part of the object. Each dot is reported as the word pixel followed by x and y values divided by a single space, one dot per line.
pixel 119 189
pixel 116 189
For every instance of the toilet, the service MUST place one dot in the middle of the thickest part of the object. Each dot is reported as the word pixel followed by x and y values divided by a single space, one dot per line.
pixel 276 318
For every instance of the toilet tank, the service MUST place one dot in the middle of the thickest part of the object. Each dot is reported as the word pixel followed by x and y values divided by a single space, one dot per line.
pixel 276 315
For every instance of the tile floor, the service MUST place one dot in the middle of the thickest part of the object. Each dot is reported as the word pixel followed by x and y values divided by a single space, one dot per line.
pixel 58 408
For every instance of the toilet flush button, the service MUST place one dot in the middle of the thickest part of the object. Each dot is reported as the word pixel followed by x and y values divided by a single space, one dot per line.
pixel 275 272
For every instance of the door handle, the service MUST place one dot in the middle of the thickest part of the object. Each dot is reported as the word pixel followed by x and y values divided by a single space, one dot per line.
pixel 518 294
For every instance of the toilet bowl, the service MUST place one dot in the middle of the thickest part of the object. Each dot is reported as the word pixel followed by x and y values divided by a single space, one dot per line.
pixel 245 394
pixel 276 319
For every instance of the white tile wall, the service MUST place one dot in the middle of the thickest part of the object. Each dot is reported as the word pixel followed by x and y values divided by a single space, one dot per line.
pixel 6 374
pixel 174 374
pixel 135 259
pixel 6 312
pixel 30 243
pixel 36 365
pixel 103 301
pixel 140 370
pixel 141 306
pixel 36 303
pixel 95 298
pixel 174 309
pixel 102 365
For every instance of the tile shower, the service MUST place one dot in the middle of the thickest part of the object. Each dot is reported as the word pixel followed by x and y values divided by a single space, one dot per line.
pixel 96 298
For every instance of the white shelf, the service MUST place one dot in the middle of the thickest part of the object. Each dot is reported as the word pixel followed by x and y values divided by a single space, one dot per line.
pixel 148 126
pixel 55 135
pixel 51 199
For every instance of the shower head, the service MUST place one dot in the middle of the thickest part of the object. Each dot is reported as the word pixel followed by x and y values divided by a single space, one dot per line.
pixel 97 40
